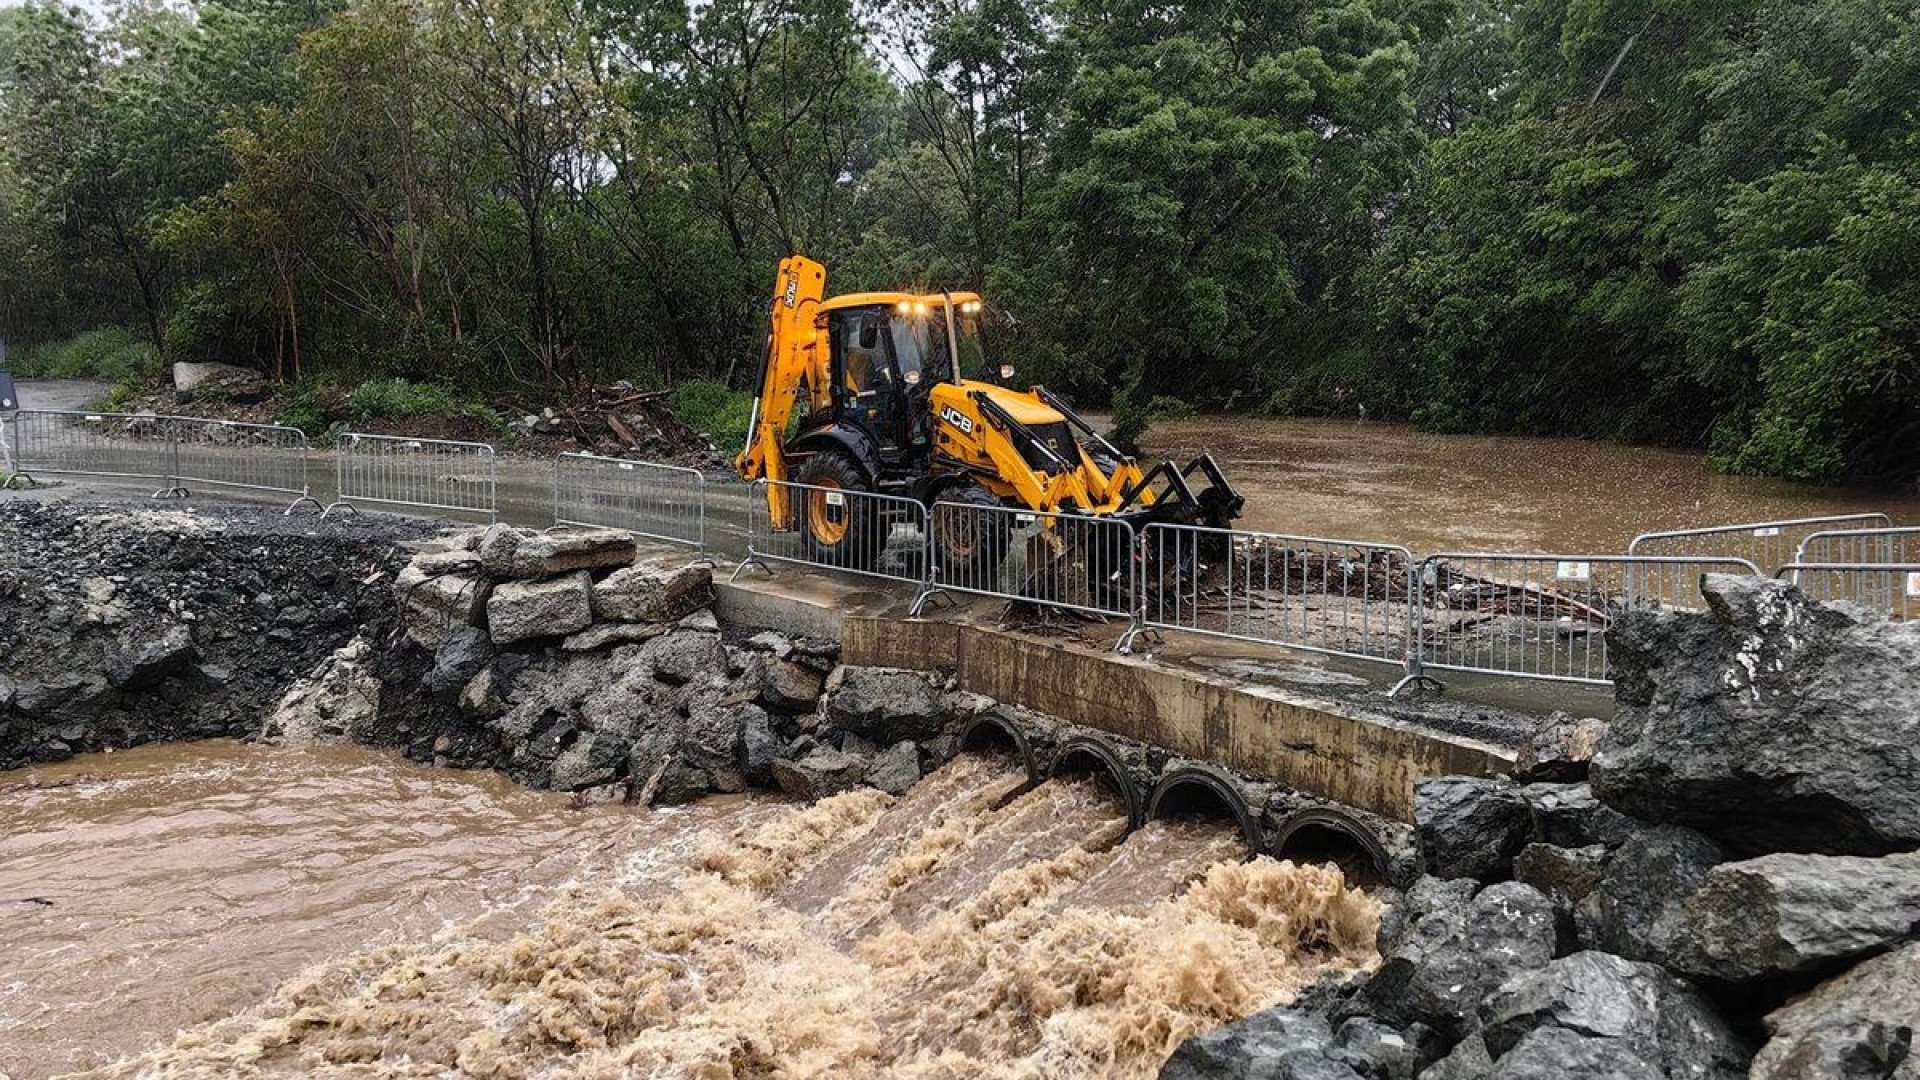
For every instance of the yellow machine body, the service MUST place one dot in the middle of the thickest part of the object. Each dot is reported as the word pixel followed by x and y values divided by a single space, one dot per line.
pixel 927 432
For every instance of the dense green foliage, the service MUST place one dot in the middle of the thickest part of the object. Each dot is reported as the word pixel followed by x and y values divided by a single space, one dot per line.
pixel 1685 221
pixel 721 414
pixel 114 353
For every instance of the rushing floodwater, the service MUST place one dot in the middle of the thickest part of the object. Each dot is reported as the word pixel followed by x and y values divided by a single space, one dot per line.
pixel 1388 482
pixel 336 910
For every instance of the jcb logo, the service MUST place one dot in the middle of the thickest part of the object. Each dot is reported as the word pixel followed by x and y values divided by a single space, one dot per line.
pixel 793 289
pixel 958 419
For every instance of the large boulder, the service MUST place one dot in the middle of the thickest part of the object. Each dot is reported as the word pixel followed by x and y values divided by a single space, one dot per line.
pixel 434 602
pixel 462 653
pixel 668 779
pixel 1380 1050
pixel 1570 815
pixel 340 697
pixel 1469 826
pixel 1559 750
pixel 1638 908
pixel 1649 1013
pixel 1278 1044
pixel 1798 913
pixel 608 634
pixel 896 769
pixel 1567 874
pixel 1771 722
pixel 138 662
pixel 1860 1024
pixel 685 656
pixel 821 773
pixel 215 381
pixel 787 686
pixel 1468 1060
pixel 1444 962
pixel 885 705
pixel 651 592
pixel 507 553
pixel 527 610
pixel 1557 1053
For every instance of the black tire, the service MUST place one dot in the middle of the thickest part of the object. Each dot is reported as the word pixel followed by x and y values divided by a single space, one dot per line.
pixel 850 533
pixel 969 544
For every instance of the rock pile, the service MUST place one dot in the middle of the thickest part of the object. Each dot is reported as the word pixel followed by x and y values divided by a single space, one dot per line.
pixel 1721 883
pixel 121 626
pixel 571 663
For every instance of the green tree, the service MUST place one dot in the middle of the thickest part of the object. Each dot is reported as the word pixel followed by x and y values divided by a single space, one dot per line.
pixel 1214 178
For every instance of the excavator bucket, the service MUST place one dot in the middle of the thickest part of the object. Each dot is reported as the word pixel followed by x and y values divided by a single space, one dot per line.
pixel 1168 495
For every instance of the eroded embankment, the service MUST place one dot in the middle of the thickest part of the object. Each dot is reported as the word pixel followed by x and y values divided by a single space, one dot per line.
pixel 946 932
pixel 123 625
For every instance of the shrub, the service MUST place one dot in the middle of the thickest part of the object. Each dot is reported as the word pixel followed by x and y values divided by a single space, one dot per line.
pixel 401 399
pixel 305 412
pixel 398 399
pixel 711 409
pixel 112 353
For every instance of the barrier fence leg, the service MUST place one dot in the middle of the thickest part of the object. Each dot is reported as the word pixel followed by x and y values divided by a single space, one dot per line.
pixel 1416 677
pixel 930 589
pixel 751 560
pixel 12 474
pixel 176 487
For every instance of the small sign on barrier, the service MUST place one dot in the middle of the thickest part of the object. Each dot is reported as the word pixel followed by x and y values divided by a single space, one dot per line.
pixel 1574 571
pixel 1771 530
pixel 1913 584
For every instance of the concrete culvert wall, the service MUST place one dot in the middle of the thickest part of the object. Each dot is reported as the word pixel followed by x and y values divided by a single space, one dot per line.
pixel 1083 757
pixel 992 734
pixel 1194 792
pixel 1325 835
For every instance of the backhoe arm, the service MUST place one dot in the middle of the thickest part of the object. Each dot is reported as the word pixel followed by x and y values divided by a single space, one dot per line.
pixel 795 362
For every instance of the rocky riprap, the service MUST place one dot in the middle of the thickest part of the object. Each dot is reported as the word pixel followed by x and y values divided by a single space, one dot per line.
pixel 1721 883
pixel 129 624
pixel 572 662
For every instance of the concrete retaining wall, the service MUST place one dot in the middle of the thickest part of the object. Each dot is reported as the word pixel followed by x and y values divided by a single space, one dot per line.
pixel 1332 751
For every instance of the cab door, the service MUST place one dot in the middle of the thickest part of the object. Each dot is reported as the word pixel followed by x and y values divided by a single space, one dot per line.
pixel 866 381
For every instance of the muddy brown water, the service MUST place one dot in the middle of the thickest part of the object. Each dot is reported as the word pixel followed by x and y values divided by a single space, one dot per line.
pixel 1387 482
pixel 150 889
pixel 336 910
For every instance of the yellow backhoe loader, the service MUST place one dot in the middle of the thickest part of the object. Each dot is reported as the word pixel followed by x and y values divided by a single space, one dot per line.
pixel 889 392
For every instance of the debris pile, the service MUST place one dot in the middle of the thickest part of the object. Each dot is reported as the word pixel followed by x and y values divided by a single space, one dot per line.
pixel 619 421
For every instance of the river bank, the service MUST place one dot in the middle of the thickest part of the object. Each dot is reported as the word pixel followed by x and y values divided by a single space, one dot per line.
pixel 1724 879
pixel 915 890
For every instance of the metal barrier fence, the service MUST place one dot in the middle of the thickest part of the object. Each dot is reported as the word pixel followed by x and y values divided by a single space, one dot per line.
pixel 427 474
pixel 1543 616
pixel 1895 545
pixel 1769 544
pixel 92 444
pixel 1892 588
pixel 170 451
pixel 858 532
pixel 249 457
pixel 1067 561
pixel 1339 597
pixel 661 502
